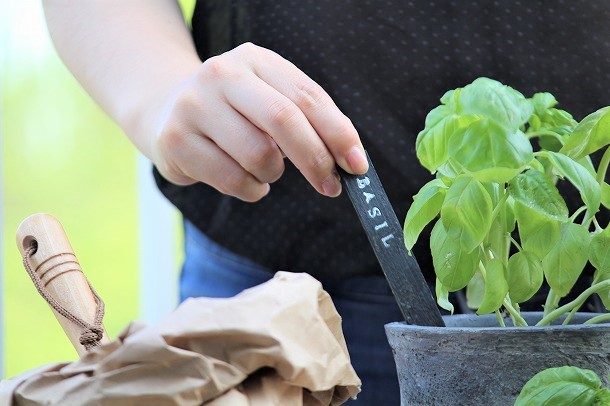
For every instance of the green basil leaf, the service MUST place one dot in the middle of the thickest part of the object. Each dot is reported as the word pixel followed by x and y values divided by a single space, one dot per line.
pixel 431 143
pixel 547 119
pixel 565 261
pixel 425 207
pixel 447 96
pixel 492 99
pixel 534 123
pixel 493 190
pixel 542 102
pixel 450 98
pixel 491 152
pixel 554 129
pixel 475 291
pixel 496 287
pixel 505 218
pixel 606 195
pixel 549 143
pixel 535 191
pixel 591 134
pixel 558 121
pixel 599 256
pixel 602 397
pixel 524 276
pixel 536 165
pixel 446 180
pixel 538 233
pixel 466 212
pixel 442 297
pixel 588 164
pixel 450 169
pixel 436 115
pixel 509 215
pixel 453 266
pixel 604 294
pixel 579 176
pixel 562 386
pixel 562 122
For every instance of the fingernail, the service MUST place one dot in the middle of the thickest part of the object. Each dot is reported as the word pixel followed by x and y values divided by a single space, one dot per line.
pixel 357 160
pixel 331 186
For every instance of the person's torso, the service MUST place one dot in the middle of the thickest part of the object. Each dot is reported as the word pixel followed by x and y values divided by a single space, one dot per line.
pixel 386 64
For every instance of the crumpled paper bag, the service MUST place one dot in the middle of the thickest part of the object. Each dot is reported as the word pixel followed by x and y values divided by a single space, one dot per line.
pixel 279 343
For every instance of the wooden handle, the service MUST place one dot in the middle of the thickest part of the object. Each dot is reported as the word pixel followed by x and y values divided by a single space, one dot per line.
pixel 59 272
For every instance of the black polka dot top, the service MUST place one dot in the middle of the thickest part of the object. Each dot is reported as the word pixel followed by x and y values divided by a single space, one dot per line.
pixel 386 64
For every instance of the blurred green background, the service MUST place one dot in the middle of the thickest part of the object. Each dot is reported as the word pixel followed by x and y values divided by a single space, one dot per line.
pixel 63 156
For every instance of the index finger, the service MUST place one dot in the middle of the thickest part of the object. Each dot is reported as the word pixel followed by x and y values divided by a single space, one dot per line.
pixel 332 126
pixel 279 117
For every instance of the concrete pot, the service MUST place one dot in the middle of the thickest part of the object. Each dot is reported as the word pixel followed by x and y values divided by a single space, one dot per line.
pixel 474 361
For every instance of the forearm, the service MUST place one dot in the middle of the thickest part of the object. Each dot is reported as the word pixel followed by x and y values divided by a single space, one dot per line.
pixel 124 53
pixel 227 122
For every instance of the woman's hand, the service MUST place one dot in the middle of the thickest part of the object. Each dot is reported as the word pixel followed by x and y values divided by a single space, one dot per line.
pixel 229 124
pixel 225 122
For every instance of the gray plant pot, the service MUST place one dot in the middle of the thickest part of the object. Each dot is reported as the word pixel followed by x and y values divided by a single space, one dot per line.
pixel 474 361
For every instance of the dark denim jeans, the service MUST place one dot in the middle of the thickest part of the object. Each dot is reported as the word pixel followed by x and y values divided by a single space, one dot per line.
pixel 365 304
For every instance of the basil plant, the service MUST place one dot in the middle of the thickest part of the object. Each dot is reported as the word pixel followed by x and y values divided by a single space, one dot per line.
pixel 503 227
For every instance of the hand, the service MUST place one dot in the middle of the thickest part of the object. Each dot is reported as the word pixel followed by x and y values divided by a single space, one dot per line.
pixel 229 124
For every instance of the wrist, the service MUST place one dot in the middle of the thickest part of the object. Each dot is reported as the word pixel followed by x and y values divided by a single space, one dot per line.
pixel 141 115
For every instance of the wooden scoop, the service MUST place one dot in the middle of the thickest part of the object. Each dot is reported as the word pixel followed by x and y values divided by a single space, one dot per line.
pixel 60 279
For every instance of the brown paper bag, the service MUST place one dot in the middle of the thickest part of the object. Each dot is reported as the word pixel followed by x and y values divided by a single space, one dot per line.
pixel 279 343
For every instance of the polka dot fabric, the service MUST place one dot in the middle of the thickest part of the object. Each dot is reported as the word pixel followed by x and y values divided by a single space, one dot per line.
pixel 386 64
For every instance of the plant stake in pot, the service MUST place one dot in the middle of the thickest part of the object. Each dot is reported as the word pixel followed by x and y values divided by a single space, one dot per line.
pixel 386 237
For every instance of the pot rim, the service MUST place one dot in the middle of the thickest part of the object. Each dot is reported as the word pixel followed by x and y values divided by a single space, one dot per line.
pixel 399 326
